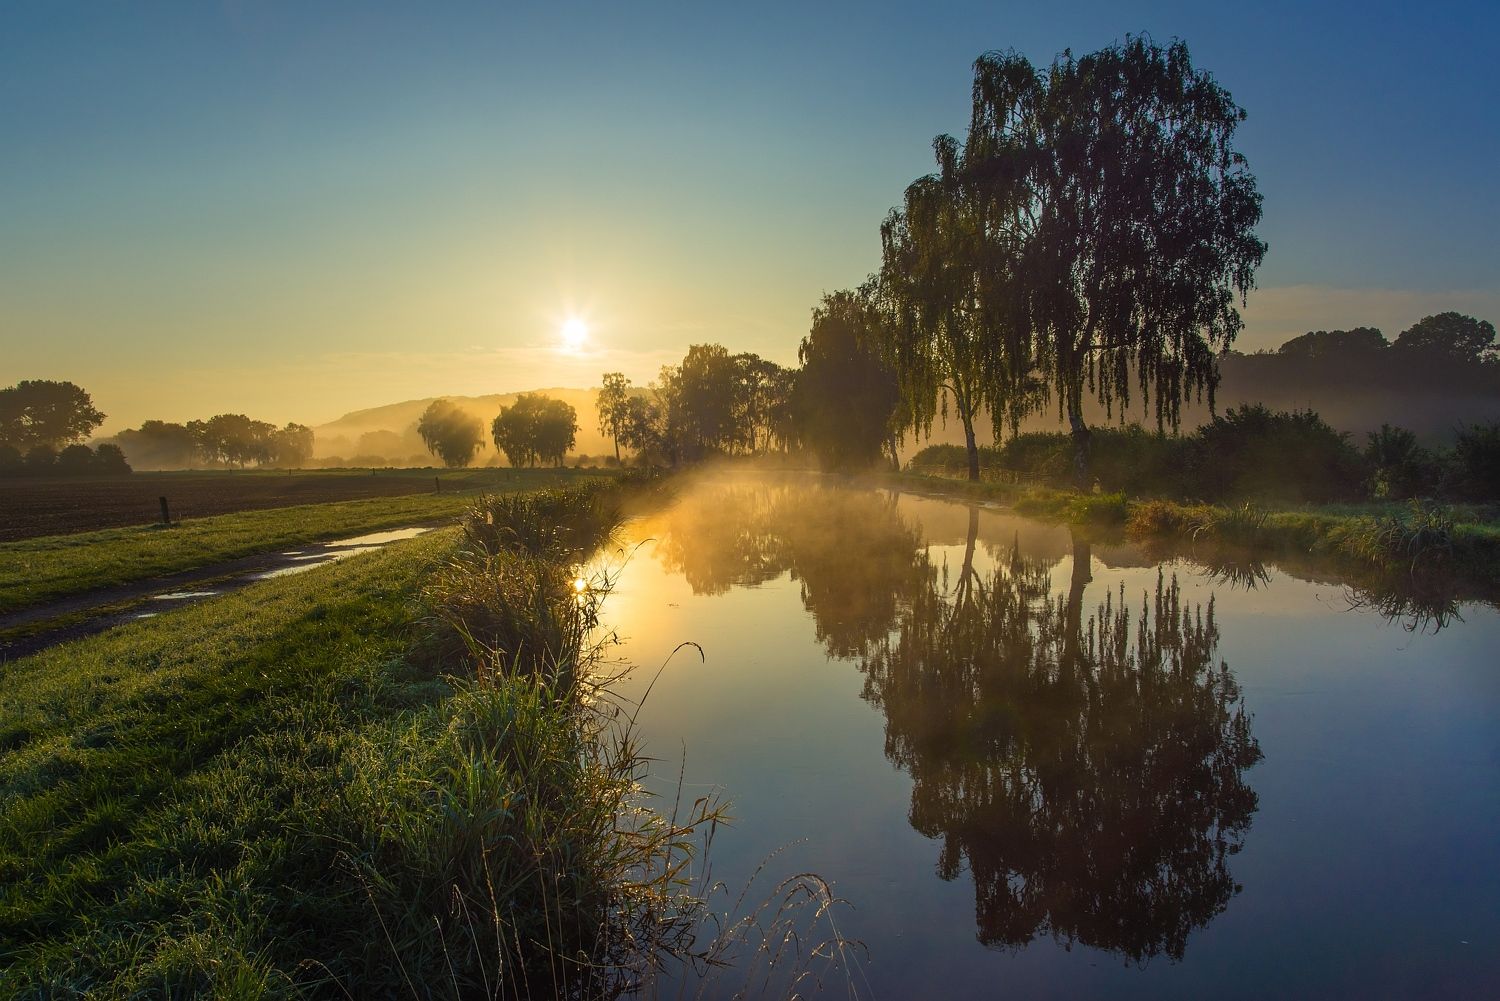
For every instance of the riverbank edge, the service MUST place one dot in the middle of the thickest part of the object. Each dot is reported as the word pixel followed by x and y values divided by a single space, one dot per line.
pixel 1423 541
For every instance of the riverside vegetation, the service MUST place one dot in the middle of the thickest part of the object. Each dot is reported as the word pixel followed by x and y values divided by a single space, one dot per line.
pixel 402 775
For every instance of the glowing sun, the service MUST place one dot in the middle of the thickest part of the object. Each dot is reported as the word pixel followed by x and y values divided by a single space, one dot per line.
pixel 574 332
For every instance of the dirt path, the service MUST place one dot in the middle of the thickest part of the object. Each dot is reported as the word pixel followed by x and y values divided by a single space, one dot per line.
pixel 31 630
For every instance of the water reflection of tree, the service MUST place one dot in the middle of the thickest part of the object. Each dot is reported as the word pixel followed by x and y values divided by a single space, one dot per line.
pixel 1089 772
pixel 853 554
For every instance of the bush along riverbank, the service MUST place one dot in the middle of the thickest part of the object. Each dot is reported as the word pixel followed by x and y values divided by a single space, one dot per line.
pixel 400 776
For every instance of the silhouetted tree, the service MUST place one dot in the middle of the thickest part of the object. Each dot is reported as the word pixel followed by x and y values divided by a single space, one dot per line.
pixel 1399 466
pixel 42 412
pixel 845 396
pixel 536 428
pixel 41 459
pixel 1116 203
pixel 945 348
pixel 556 430
pixel 75 460
pixel 1253 452
pixel 1450 337
pixel 450 433
pixel 292 446
pixel 613 405
pixel 1476 455
pixel 1341 344
pixel 11 460
pixel 158 445
pixel 707 391
pixel 110 460
pixel 234 439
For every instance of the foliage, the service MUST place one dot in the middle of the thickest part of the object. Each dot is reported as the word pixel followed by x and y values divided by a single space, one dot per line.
pixel 73 460
pixel 1119 222
pixel 1399 466
pixel 613 405
pixel 1451 336
pixel 1319 344
pixel 940 341
pixel 846 396
pixel 536 428
pixel 1252 452
pixel 1476 457
pixel 450 433
pixel 43 412
pixel 41 459
pixel 159 445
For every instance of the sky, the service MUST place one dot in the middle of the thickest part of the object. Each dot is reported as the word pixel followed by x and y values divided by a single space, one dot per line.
pixel 296 210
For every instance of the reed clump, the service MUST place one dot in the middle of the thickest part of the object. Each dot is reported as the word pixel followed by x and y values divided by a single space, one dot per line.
pixel 505 846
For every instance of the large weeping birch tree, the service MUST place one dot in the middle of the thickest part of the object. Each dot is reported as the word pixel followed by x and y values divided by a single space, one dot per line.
pixel 1118 223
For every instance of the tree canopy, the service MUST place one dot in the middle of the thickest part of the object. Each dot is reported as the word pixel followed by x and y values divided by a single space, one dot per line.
pixel 846 397
pixel 1118 221
pixel 43 412
pixel 536 428
pixel 613 405
pixel 1449 336
pixel 450 433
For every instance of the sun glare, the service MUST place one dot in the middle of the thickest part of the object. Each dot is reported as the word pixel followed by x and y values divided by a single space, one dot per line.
pixel 574 332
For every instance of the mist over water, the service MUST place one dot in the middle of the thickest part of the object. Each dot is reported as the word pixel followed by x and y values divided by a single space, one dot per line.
pixel 1040 765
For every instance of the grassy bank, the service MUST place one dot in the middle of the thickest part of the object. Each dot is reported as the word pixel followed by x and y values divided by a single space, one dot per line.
pixel 1385 537
pixel 37 570
pixel 308 789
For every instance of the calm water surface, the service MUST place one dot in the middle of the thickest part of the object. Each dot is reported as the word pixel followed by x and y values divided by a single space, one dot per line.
pixel 1041 767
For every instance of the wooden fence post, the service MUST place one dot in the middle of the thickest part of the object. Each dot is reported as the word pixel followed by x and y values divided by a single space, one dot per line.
pixel 166 515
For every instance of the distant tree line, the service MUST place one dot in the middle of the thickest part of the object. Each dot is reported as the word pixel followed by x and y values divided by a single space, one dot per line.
pixel 712 403
pixel 43 423
pixel 222 440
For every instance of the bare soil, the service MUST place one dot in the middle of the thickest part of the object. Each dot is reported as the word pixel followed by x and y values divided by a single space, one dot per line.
pixel 31 507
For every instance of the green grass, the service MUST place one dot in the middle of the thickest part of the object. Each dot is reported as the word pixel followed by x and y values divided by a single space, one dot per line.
pixel 37 570
pixel 275 794
pixel 145 769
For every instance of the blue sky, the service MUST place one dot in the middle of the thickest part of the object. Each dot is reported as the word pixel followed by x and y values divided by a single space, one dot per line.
pixel 295 210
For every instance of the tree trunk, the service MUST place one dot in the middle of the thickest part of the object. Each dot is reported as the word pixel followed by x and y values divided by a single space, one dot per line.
pixel 972 447
pixel 617 451
pixel 1081 435
pixel 1073 614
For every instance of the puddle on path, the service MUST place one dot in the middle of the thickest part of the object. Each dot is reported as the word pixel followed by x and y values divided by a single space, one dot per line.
pixel 137 599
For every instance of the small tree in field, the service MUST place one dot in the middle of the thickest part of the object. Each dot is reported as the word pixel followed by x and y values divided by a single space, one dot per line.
pixel 450 433
pixel 845 397
pixel 613 405
pixel 536 428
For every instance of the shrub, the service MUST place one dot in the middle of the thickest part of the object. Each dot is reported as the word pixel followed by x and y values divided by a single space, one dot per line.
pixel 41 459
pixel 110 459
pixel 1476 457
pixel 11 460
pixel 75 459
pixel 1253 452
pixel 1400 467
